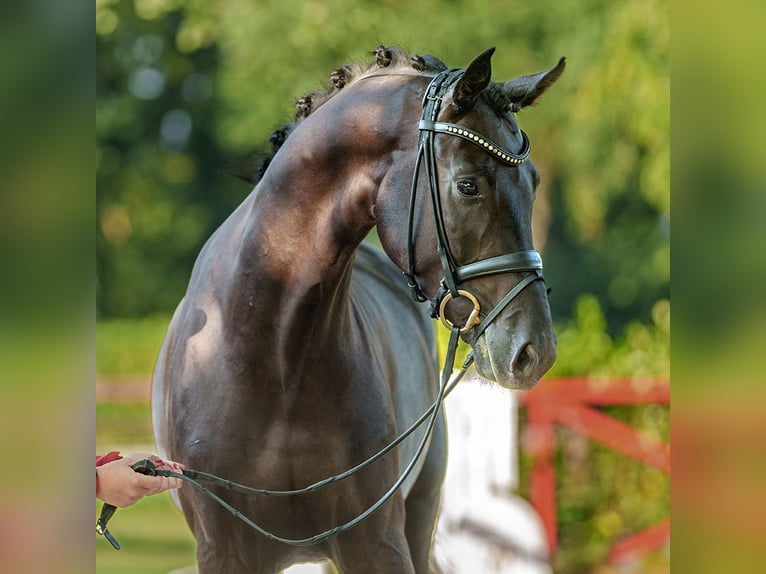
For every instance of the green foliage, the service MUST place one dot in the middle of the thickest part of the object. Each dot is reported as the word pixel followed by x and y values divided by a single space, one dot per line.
pixel 609 157
pixel 585 347
pixel 630 496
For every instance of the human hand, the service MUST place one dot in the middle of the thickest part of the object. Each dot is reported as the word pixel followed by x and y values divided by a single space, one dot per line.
pixel 121 486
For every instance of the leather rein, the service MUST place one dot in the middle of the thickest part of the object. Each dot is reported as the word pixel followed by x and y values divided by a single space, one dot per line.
pixel 454 276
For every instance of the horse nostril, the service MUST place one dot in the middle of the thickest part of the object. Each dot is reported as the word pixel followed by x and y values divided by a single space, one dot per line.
pixel 525 361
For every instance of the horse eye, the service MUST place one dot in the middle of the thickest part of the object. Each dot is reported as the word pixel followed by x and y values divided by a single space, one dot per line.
pixel 467 187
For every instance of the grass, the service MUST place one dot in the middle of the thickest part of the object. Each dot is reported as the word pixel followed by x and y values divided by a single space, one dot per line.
pixel 129 347
pixel 154 539
pixel 123 424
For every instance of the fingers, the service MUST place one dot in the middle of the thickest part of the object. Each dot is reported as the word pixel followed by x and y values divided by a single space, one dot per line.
pixel 156 484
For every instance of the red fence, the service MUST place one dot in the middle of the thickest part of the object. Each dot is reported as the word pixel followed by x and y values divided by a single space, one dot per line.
pixel 570 402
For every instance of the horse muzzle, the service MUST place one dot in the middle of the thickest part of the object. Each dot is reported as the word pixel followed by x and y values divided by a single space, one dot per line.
pixel 513 355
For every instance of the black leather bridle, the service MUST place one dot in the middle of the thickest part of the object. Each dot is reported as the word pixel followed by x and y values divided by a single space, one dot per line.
pixel 455 275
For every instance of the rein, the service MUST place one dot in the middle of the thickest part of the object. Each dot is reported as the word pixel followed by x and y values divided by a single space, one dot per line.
pixel 454 275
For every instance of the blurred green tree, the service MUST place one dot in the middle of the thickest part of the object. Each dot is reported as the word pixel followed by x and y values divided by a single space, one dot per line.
pixel 161 186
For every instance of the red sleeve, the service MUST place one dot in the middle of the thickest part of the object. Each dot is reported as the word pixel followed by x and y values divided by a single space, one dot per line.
pixel 108 457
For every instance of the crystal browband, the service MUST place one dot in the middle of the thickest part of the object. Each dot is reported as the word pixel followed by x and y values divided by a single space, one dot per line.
pixel 480 141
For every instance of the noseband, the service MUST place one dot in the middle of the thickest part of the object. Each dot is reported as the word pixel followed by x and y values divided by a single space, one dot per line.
pixel 455 275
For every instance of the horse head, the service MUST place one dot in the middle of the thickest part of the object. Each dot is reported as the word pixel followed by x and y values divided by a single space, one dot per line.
pixel 470 252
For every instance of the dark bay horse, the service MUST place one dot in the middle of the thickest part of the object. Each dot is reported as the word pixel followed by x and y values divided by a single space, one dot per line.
pixel 295 354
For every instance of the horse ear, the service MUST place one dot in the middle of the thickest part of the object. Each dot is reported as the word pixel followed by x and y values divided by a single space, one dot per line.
pixel 526 90
pixel 473 82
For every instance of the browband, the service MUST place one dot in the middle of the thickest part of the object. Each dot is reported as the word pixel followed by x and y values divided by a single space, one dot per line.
pixel 479 140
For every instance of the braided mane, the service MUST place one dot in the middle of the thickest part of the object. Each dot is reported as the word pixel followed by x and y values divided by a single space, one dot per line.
pixel 389 58
pixel 254 165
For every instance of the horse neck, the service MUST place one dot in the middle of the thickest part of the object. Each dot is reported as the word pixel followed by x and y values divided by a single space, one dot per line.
pixel 314 206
